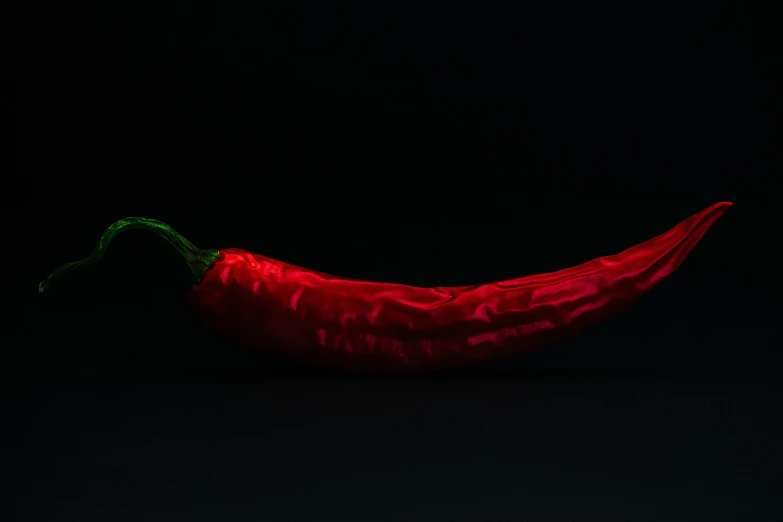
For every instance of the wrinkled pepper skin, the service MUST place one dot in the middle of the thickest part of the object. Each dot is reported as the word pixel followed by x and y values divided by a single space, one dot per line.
pixel 266 304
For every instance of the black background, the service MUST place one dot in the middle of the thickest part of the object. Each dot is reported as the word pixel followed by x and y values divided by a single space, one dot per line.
pixel 418 144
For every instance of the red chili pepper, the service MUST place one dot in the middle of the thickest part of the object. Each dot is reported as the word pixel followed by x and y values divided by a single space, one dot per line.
pixel 266 304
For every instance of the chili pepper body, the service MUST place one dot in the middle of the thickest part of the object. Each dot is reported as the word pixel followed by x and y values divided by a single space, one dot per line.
pixel 264 303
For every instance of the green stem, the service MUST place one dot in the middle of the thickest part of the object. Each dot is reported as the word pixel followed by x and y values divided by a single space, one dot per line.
pixel 198 260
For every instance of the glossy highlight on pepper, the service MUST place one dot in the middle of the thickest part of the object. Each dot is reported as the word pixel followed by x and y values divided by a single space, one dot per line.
pixel 269 305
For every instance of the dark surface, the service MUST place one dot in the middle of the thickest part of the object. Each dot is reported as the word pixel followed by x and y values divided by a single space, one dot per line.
pixel 419 145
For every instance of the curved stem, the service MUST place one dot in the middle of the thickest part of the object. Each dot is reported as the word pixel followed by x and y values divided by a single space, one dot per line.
pixel 198 260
